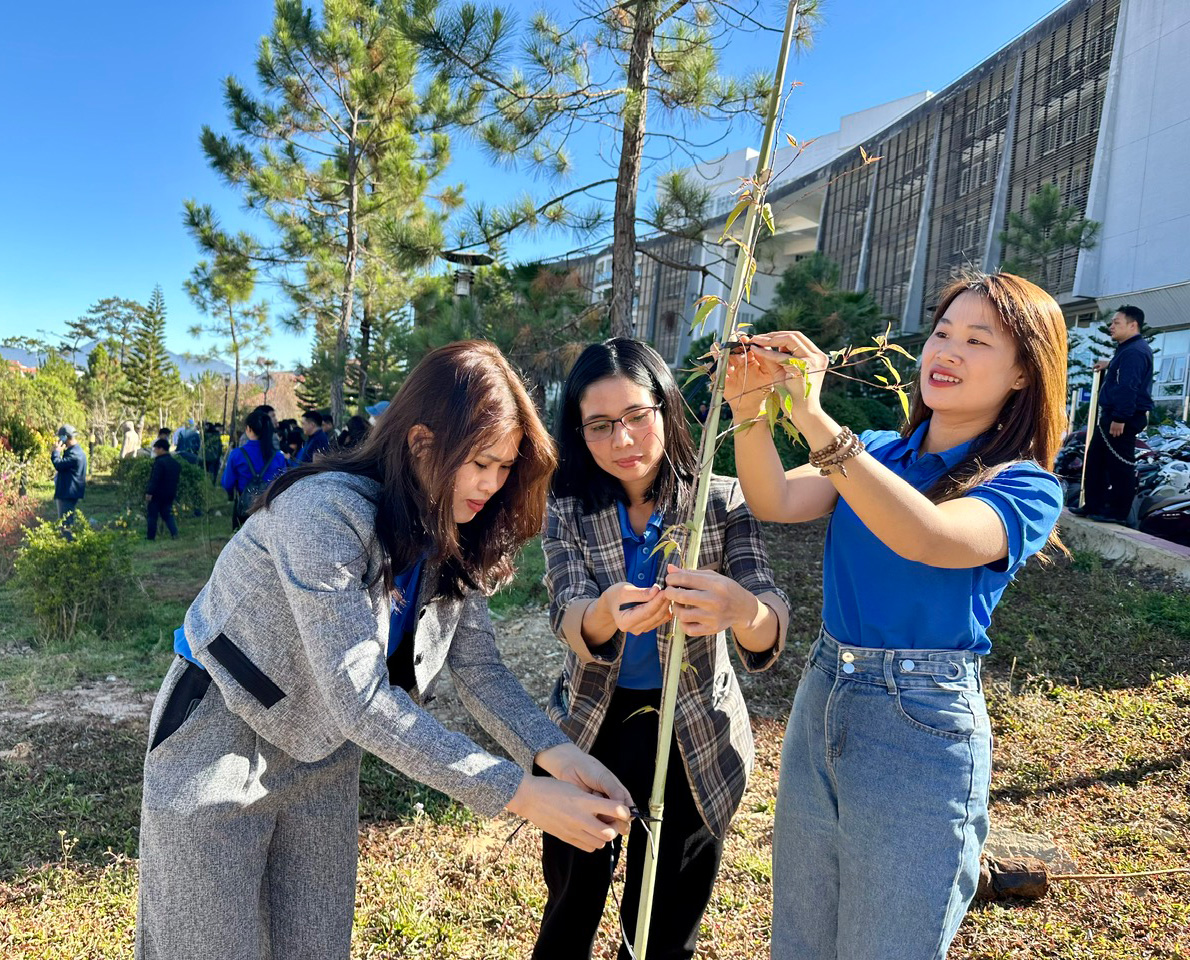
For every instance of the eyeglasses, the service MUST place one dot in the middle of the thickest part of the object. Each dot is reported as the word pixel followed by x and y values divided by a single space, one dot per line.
pixel 634 421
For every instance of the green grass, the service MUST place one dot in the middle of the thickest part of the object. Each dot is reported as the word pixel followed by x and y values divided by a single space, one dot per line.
pixel 1088 688
pixel 166 576
pixel 527 588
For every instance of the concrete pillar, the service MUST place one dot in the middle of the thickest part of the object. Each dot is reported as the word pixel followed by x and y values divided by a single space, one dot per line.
pixel 915 298
pixel 993 249
pixel 1086 270
pixel 861 274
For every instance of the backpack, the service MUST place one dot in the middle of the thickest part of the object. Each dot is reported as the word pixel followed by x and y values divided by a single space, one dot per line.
pixel 252 489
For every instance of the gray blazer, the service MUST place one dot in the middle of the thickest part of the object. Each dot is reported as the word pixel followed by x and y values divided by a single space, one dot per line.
pixel 296 640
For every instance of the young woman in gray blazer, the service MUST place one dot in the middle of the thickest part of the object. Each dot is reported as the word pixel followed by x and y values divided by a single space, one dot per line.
pixel 384 556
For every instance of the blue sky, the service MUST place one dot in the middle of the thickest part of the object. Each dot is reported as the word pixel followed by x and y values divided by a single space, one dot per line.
pixel 104 104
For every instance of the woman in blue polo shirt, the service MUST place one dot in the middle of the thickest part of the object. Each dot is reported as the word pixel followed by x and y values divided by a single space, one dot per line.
pixel 247 473
pixel 882 804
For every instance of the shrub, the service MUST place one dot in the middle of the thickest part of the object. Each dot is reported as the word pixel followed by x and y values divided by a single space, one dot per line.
pixel 67 584
pixel 194 485
pixel 103 458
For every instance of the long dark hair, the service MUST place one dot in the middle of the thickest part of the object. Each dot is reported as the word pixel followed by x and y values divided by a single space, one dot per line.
pixel 1031 422
pixel 469 396
pixel 578 475
pixel 262 425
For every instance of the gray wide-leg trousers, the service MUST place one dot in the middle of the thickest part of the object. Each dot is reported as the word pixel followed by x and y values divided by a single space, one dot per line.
pixel 245 852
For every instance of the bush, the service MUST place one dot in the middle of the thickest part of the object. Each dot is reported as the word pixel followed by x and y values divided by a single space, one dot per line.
pixel 195 491
pixel 103 458
pixel 67 584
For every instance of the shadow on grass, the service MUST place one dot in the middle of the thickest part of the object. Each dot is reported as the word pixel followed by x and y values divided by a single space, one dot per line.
pixel 1129 775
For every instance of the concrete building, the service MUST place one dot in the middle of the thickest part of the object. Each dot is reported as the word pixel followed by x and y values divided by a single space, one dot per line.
pixel 1092 98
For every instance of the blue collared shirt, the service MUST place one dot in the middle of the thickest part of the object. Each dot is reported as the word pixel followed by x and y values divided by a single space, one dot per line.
pixel 874 598
pixel 404 615
pixel 182 647
pixel 640 668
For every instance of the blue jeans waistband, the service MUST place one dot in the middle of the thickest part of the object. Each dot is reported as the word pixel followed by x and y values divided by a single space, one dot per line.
pixel 897 669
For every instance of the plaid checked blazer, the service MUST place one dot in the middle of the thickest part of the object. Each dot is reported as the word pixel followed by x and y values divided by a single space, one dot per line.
pixel 584 556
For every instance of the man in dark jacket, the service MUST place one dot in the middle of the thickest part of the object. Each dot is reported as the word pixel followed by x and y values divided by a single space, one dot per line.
pixel 317 442
pixel 162 489
pixel 1125 399
pixel 70 480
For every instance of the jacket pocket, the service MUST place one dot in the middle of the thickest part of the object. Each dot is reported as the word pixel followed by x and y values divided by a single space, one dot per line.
pixel 184 699
pixel 247 674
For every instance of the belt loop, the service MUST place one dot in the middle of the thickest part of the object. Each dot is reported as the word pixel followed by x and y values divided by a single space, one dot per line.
pixel 889 680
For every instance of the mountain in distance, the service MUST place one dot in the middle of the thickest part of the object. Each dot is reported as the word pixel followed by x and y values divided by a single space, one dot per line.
pixel 189 368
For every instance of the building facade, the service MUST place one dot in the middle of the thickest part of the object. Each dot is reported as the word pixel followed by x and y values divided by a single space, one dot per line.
pixel 1092 99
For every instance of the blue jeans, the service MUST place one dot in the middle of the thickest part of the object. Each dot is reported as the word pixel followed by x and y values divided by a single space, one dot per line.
pixel 882 806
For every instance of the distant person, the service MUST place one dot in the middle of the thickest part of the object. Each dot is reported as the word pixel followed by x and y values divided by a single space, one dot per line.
pixel 162 489
pixel 328 427
pixel 316 439
pixel 163 433
pixel 249 471
pixel 70 481
pixel 1125 399
pixel 268 410
pixel 357 428
pixel 213 449
pixel 129 440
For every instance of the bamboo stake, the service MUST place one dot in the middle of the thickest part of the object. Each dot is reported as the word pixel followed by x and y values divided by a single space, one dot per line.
pixel 1092 424
pixel 677 647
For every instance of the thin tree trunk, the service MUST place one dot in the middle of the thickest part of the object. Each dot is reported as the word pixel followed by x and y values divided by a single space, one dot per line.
pixel 347 307
pixel 628 180
pixel 235 397
pixel 365 336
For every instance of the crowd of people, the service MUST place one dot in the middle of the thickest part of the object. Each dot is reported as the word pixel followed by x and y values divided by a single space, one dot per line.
pixel 260 451
pixel 249 824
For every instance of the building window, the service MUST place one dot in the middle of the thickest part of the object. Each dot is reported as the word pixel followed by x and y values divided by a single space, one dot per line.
pixel 1070 127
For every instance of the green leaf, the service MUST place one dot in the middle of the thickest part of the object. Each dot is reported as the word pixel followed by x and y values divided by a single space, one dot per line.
pixel 700 317
pixel 766 214
pixel 881 378
pixel 687 665
pixel 892 371
pixel 772 410
pixel 903 396
pixel 897 348
pixel 637 713
pixel 791 431
pixel 695 374
pixel 731 218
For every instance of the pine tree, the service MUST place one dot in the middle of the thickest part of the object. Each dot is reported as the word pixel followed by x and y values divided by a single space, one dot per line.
pixel 543 83
pixel 338 153
pixel 222 288
pixel 1043 233
pixel 151 375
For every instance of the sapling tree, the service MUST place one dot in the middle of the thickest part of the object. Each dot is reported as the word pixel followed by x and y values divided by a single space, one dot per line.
pixel 684 540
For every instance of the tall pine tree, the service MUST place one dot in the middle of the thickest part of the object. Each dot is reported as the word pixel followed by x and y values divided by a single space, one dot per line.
pixel 151 375
pixel 338 152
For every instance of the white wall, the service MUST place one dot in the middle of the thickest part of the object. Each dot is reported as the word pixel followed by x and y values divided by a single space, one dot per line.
pixel 1141 188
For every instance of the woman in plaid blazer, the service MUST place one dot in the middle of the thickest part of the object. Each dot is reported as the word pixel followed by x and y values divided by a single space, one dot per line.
pixel 627 465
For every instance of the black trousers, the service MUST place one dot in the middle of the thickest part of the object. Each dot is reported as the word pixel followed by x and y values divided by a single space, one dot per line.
pixel 1110 481
pixel 687 863
pixel 165 510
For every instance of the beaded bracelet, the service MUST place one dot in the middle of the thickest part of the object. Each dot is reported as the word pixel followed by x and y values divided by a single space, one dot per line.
pixel 845 446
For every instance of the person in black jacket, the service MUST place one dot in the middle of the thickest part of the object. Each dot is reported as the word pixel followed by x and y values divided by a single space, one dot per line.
pixel 70 479
pixel 162 489
pixel 1125 399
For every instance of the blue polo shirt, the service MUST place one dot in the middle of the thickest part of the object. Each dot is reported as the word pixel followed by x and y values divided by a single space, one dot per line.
pixel 640 668
pixel 874 598
pixel 404 615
